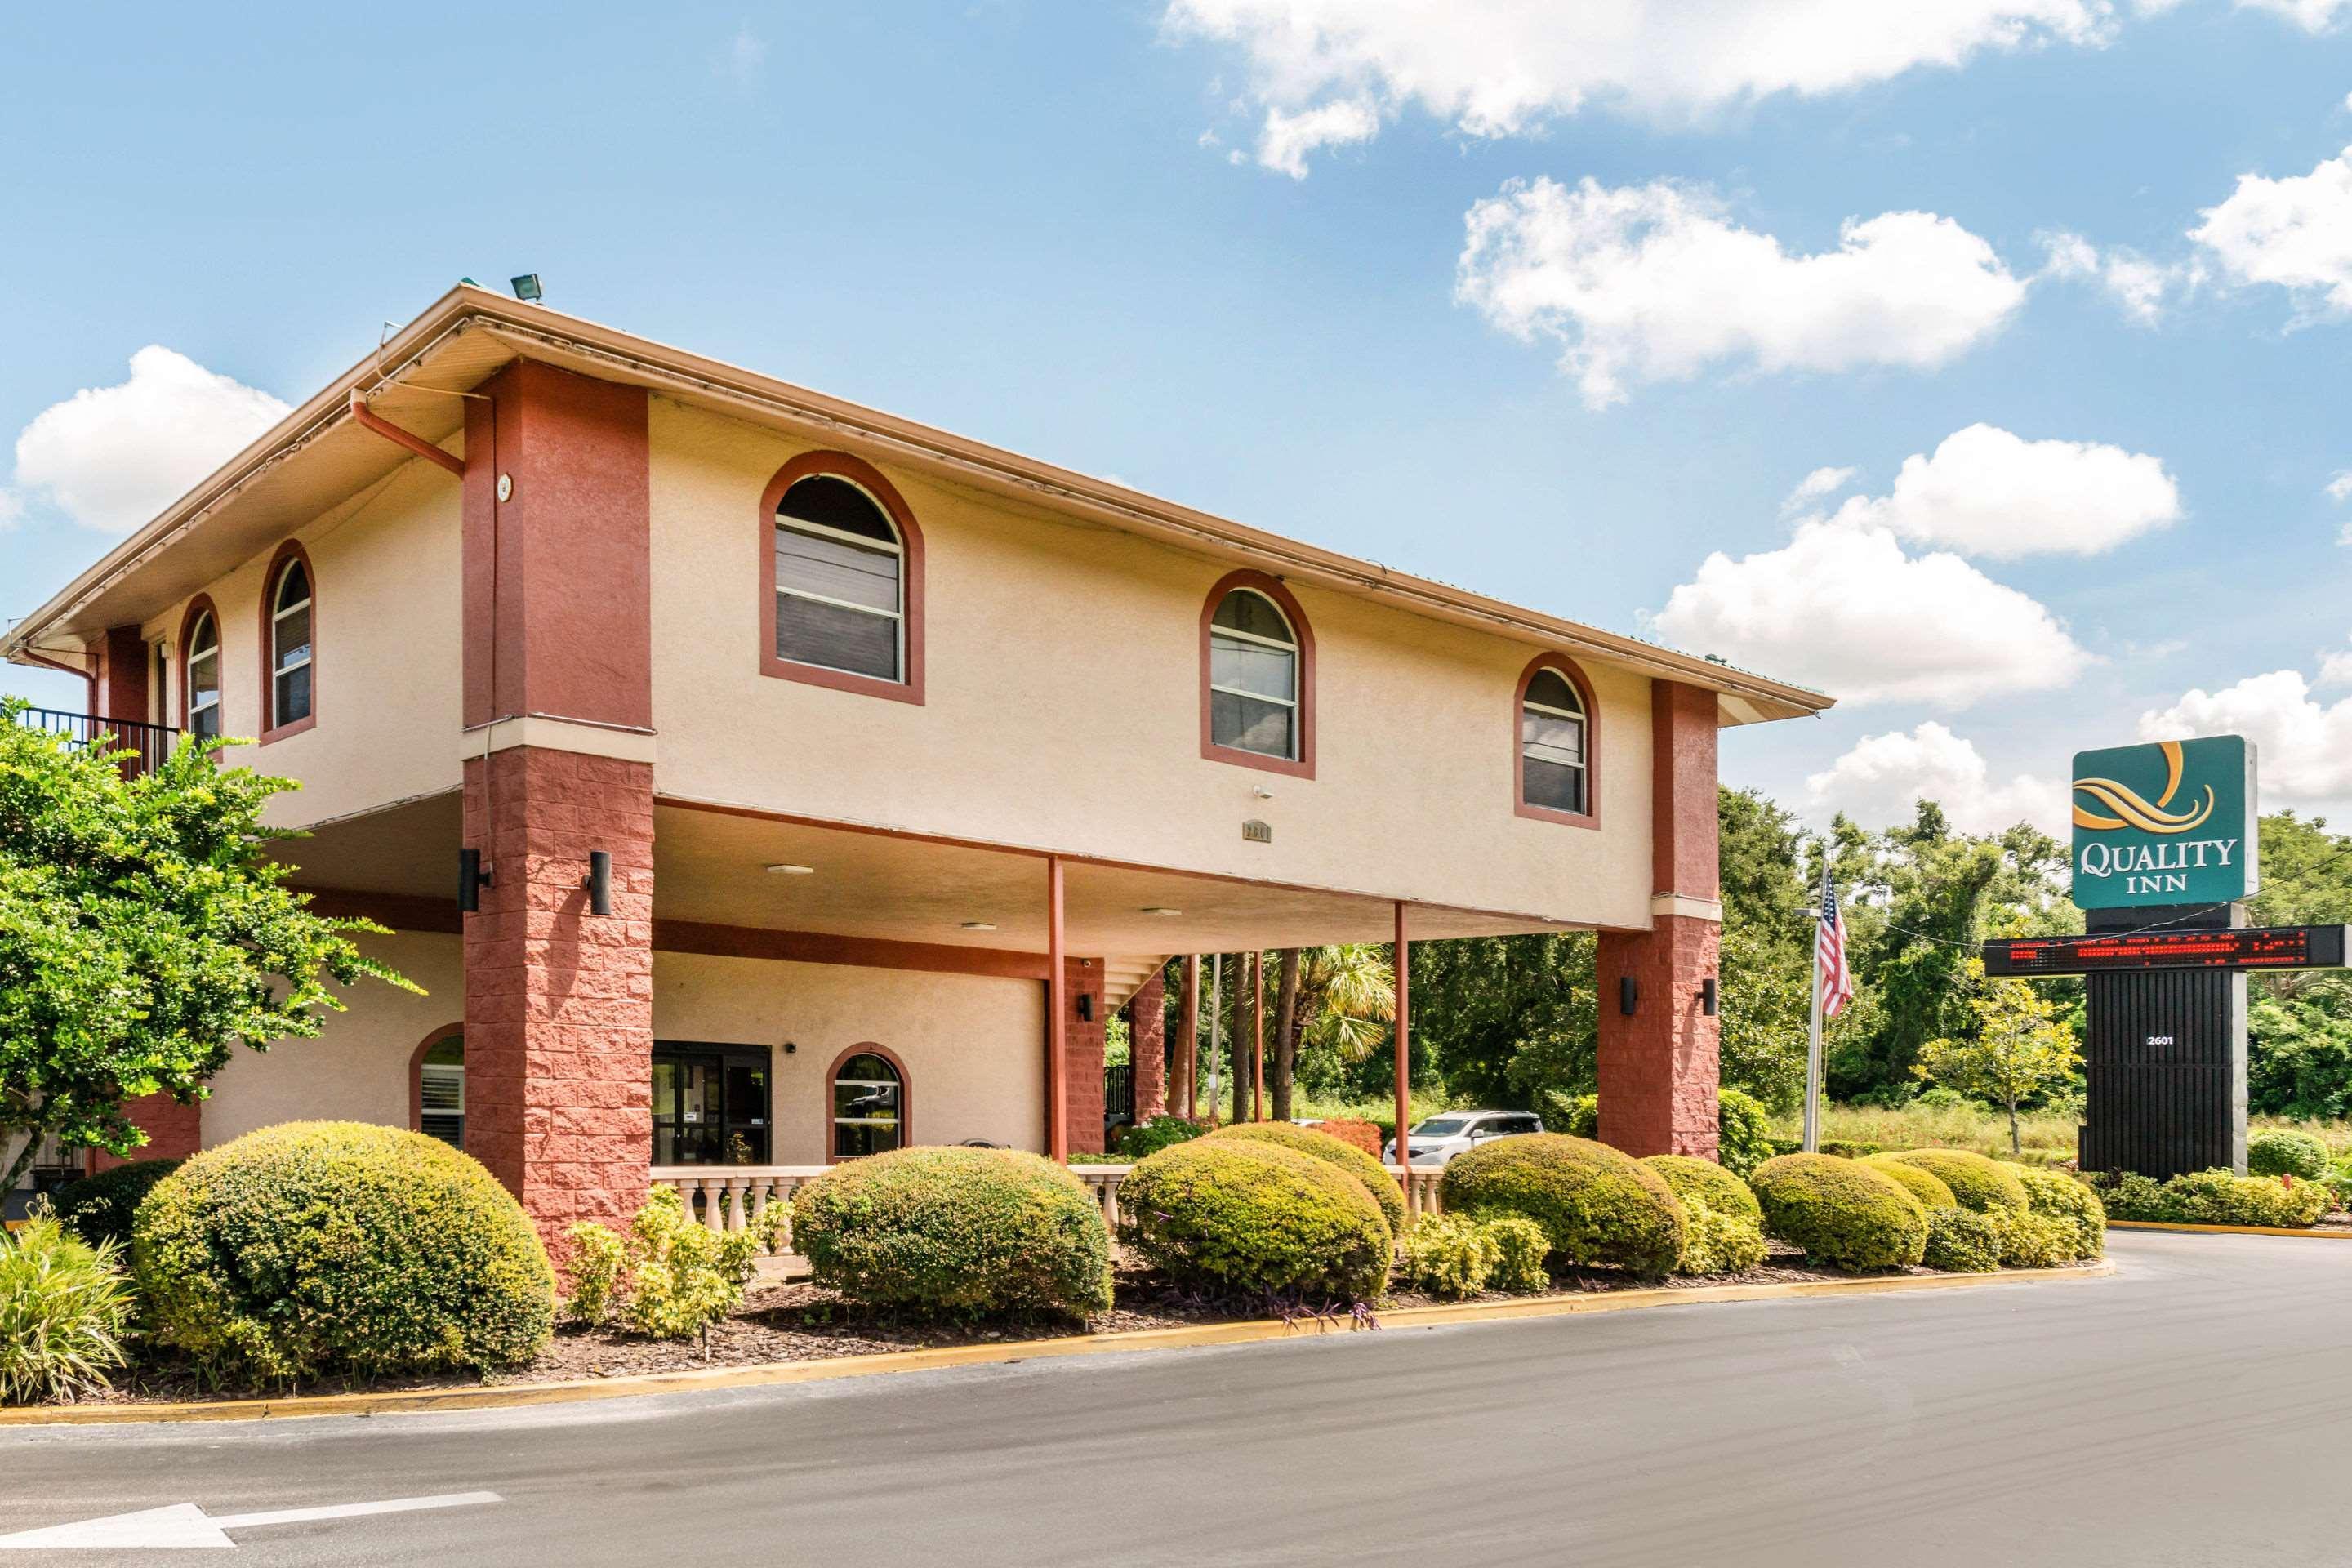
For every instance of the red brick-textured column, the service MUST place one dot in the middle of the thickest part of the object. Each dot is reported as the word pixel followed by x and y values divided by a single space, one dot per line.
pixel 1659 1068
pixel 559 1001
pixel 1081 1044
pixel 174 1131
pixel 1147 1048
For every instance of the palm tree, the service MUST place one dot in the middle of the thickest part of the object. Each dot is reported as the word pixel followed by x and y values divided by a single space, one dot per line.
pixel 1346 1002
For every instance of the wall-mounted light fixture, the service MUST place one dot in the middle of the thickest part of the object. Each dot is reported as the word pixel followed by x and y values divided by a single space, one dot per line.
pixel 527 286
pixel 1629 992
pixel 600 882
pixel 793 870
pixel 471 881
pixel 980 925
pixel 1086 1006
pixel 1707 998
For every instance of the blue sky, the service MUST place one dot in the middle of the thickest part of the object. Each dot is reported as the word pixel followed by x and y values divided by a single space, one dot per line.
pixel 1056 227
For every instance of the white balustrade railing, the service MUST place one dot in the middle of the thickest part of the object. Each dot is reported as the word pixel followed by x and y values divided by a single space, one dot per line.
pixel 730 1197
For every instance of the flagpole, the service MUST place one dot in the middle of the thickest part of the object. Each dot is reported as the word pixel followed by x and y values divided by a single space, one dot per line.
pixel 1814 1042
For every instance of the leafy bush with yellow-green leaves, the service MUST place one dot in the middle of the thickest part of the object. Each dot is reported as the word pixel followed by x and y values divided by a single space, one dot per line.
pixel 958 1231
pixel 1962 1241
pixel 65 1311
pixel 1454 1254
pixel 1715 1241
pixel 2283 1152
pixel 1840 1211
pixel 1233 1214
pixel 1706 1181
pixel 2061 1197
pixel 2030 1240
pixel 671 1276
pixel 1595 1204
pixel 1384 1188
pixel 319 1246
pixel 2217 1197
pixel 1924 1185
pixel 1977 1182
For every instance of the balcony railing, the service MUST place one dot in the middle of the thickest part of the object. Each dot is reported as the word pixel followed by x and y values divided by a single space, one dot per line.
pixel 149 743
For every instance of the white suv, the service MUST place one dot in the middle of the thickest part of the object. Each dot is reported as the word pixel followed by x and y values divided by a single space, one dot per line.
pixel 1438 1139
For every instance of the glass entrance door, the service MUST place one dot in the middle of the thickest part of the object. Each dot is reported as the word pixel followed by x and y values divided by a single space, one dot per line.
pixel 710 1104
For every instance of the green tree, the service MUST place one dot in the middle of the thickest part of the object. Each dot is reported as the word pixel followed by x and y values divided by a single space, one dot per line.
pixel 144 931
pixel 2018 1049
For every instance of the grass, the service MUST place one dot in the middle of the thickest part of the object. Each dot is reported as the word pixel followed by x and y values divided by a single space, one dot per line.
pixel 2045 1137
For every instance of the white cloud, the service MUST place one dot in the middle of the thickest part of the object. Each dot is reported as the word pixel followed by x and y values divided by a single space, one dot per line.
pixel 2312 15
pixel 1880 780
pixel 2306 747
pixel 2294 232
pixel 2139 286
pixel 1985 492
pixel 2334 668
pixel 1650 283
pixel 1501 67
pixel 113 456
pixel 1843 608
pixel 2340 485
pixel 1814 486
pixel 744 57
pixel 1289 138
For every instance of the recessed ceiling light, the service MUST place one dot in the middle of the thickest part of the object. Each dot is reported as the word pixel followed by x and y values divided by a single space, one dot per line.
pixel 793 870
pixel 980 925
pixel 1161 909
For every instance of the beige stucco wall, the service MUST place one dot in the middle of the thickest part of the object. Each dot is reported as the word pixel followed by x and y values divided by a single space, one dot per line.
pixel 357 1070
pixel 973 1047
pixel 386 565
pixel 1063 709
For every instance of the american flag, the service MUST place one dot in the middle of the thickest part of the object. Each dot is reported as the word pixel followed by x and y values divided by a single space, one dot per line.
pixel 1835 981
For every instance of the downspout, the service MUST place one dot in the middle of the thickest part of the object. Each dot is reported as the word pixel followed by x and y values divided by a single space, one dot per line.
pixel 369 419
pixel 90 677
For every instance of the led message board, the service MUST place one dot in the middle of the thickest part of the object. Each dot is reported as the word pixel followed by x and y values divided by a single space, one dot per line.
pixel 2240 947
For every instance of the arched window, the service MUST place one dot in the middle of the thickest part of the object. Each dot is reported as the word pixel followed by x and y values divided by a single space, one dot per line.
pixel 440 1089
pixel 1555 740
pixel 869 1103
pixel 1257 676
pixel 200 673
pixel 289 644
pixel 843 580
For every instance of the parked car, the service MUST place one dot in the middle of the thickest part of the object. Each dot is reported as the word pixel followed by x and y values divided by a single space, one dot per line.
pixel 1437 1139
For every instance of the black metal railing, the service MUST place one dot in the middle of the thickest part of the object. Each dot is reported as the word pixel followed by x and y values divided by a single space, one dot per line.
pixel 1119 1095
pixel 148 744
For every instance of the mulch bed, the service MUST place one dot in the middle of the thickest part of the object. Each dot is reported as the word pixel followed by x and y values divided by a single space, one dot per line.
pixel 796 1320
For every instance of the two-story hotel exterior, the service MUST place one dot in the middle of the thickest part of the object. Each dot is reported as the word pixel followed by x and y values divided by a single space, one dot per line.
pixel 913 760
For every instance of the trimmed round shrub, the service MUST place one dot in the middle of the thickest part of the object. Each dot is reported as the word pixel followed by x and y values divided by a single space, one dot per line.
pixel 319 1247
pixel 1322 1146
pixel 2280 1152
pixel 1743 1131
pixel 1978 1183
pixel 1448 1254
pixel 1962 1241
pixel 956 1230
pixel 101 1207
pixel 2217 1197
pixel 1596 1205
pixel 1241 1214
pixel 1716 1242
pixel 2061 1197
pixel 1840 1211
pixel 1707 1181
pixel 2030 1240
pixel 1927 1188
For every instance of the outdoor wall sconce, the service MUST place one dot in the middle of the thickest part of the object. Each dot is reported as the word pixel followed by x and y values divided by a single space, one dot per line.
pixel 1628 993
pixel 600 882
pixel 471 881
pixel 1086 1006
pixel 1706 1003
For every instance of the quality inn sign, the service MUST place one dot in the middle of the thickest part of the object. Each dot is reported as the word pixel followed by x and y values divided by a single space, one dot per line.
pixel 2169 822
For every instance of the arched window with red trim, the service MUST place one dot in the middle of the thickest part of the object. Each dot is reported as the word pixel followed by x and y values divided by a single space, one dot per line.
pixel 289 644
pixel 842 601
pixel 200 670
pixel 1554 775
pixel 1257 675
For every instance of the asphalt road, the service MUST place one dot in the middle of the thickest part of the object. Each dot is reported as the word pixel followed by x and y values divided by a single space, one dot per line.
pixel 2196 1409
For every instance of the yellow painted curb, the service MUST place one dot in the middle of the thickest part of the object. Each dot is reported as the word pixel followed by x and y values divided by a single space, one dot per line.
pixel 2309 1232
pixel 510 1396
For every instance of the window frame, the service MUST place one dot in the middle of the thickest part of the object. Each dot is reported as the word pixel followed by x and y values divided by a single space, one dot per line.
pixel 199 607
pixel 1568 670
pixel 906 1096
pixel 1271 588
pixel 865 476
pixel 287 552
pixel 416 1071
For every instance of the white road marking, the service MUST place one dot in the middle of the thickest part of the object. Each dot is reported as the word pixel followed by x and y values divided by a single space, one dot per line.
pixel 183 1526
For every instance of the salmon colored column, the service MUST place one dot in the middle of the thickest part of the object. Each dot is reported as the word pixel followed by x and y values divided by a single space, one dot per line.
pixel 1659 1066
pixel 1186 1099
pixel 1147 1048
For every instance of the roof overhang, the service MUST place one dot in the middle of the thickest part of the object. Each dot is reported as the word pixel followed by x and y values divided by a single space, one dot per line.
pixel 318 455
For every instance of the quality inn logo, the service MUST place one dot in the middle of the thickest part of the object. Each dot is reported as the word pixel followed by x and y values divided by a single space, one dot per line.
pixel 2169 822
